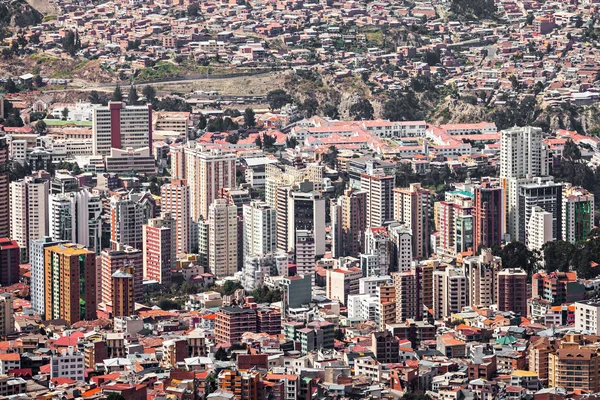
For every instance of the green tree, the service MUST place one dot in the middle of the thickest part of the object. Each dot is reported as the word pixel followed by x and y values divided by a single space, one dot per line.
pixel 117 94
pixel 362 110
pixel 96 98
pixel 331 111
pixel 229 287
pixel 168 304
pixel 232 138
pixel 193 10
pixel 40 127
pixel 115 396
pixel 149 93
pixel 558 255
pixel 221 355
pixel 291 142
pixel 258 141
pixel 278 98
pixel 309 107
pixel 571 151
pixel 38 81
pixel 517 255
pixel 249 118
pixel 132 96
pixel 10 86
pixel 71 43
pixel 202 122
pixel 65 113
pixel 269 141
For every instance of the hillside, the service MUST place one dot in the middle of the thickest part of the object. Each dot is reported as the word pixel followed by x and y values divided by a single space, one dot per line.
pixel 18 13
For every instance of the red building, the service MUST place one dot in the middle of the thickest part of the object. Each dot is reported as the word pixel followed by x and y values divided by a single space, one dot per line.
pixel 111 261
pixel 232 322
pixel 4 191
pixel 9 261
pixel 487 216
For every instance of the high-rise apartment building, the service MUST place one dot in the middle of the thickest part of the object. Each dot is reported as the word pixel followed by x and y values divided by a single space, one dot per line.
pixel 408 285
pixel 377 244
pixel 207 172
pixel 297 291
pixel 70 284
pixel 9 261
pixel 488 216
pixel 380 198
pixel 450 292
pixel 7 314
pixel 539 229
pixel 387 305
pixel 160 257
pixel 113 260
pixel 348 221
pixel 123 298
pixel 260 229
pixel 544 194
pixel 511 291
pixel 127 216
pixel 575 368
pixel 455 225
pixel 175 199
pixel 523 153
pixel 4 187
pixel 121 126
pixel 75 217
pixel 523 156
pixel 222 238
pixel 37 261
pixel 305 253
pixel 400 246
pixel 29 212
pixel 577 214
pixel 306 212
pixel 412 207
pixel 482 272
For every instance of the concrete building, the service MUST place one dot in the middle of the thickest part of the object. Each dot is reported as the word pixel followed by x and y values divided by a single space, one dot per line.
pixel 38 277
pixel 409 303
pixel 123 298
pixel 575 368
pixel 348 222
pixel 523 153
pixel 297 291
pixel 455 226
pixel 587 316
pixel 385 347
pixel 539 229
pixel 206 173
pixel 511 292
pixel 305 252
pixel 481 272
pixel 523 156
pixel 450 292
pixel 257 268
pixel 76 217
pixel 160 244
pixel 544 194
pixel 260 229
pixel 4 186
pixel 379 207
pixel 412 207
pixel 120 126
pixel 130 160
pixel 400 246
pixel 9 262
pixel 306 212
pixel 113 260
pixel 29 212
pixel 370 285
pixel 232 322
pixel 7 315
pixel 70 284
pixel 377 244
pixel 341 282
pixel 387 305
pixel 127 216
pixel 175 199
pixel 577 214
pixel 488 216
pixel 68 364
pixel 222 238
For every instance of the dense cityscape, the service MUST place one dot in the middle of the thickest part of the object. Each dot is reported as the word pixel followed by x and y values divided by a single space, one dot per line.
pixel 299 199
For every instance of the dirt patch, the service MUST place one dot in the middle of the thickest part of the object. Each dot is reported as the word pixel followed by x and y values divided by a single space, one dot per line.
pixel 257 85
pixel 46 7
